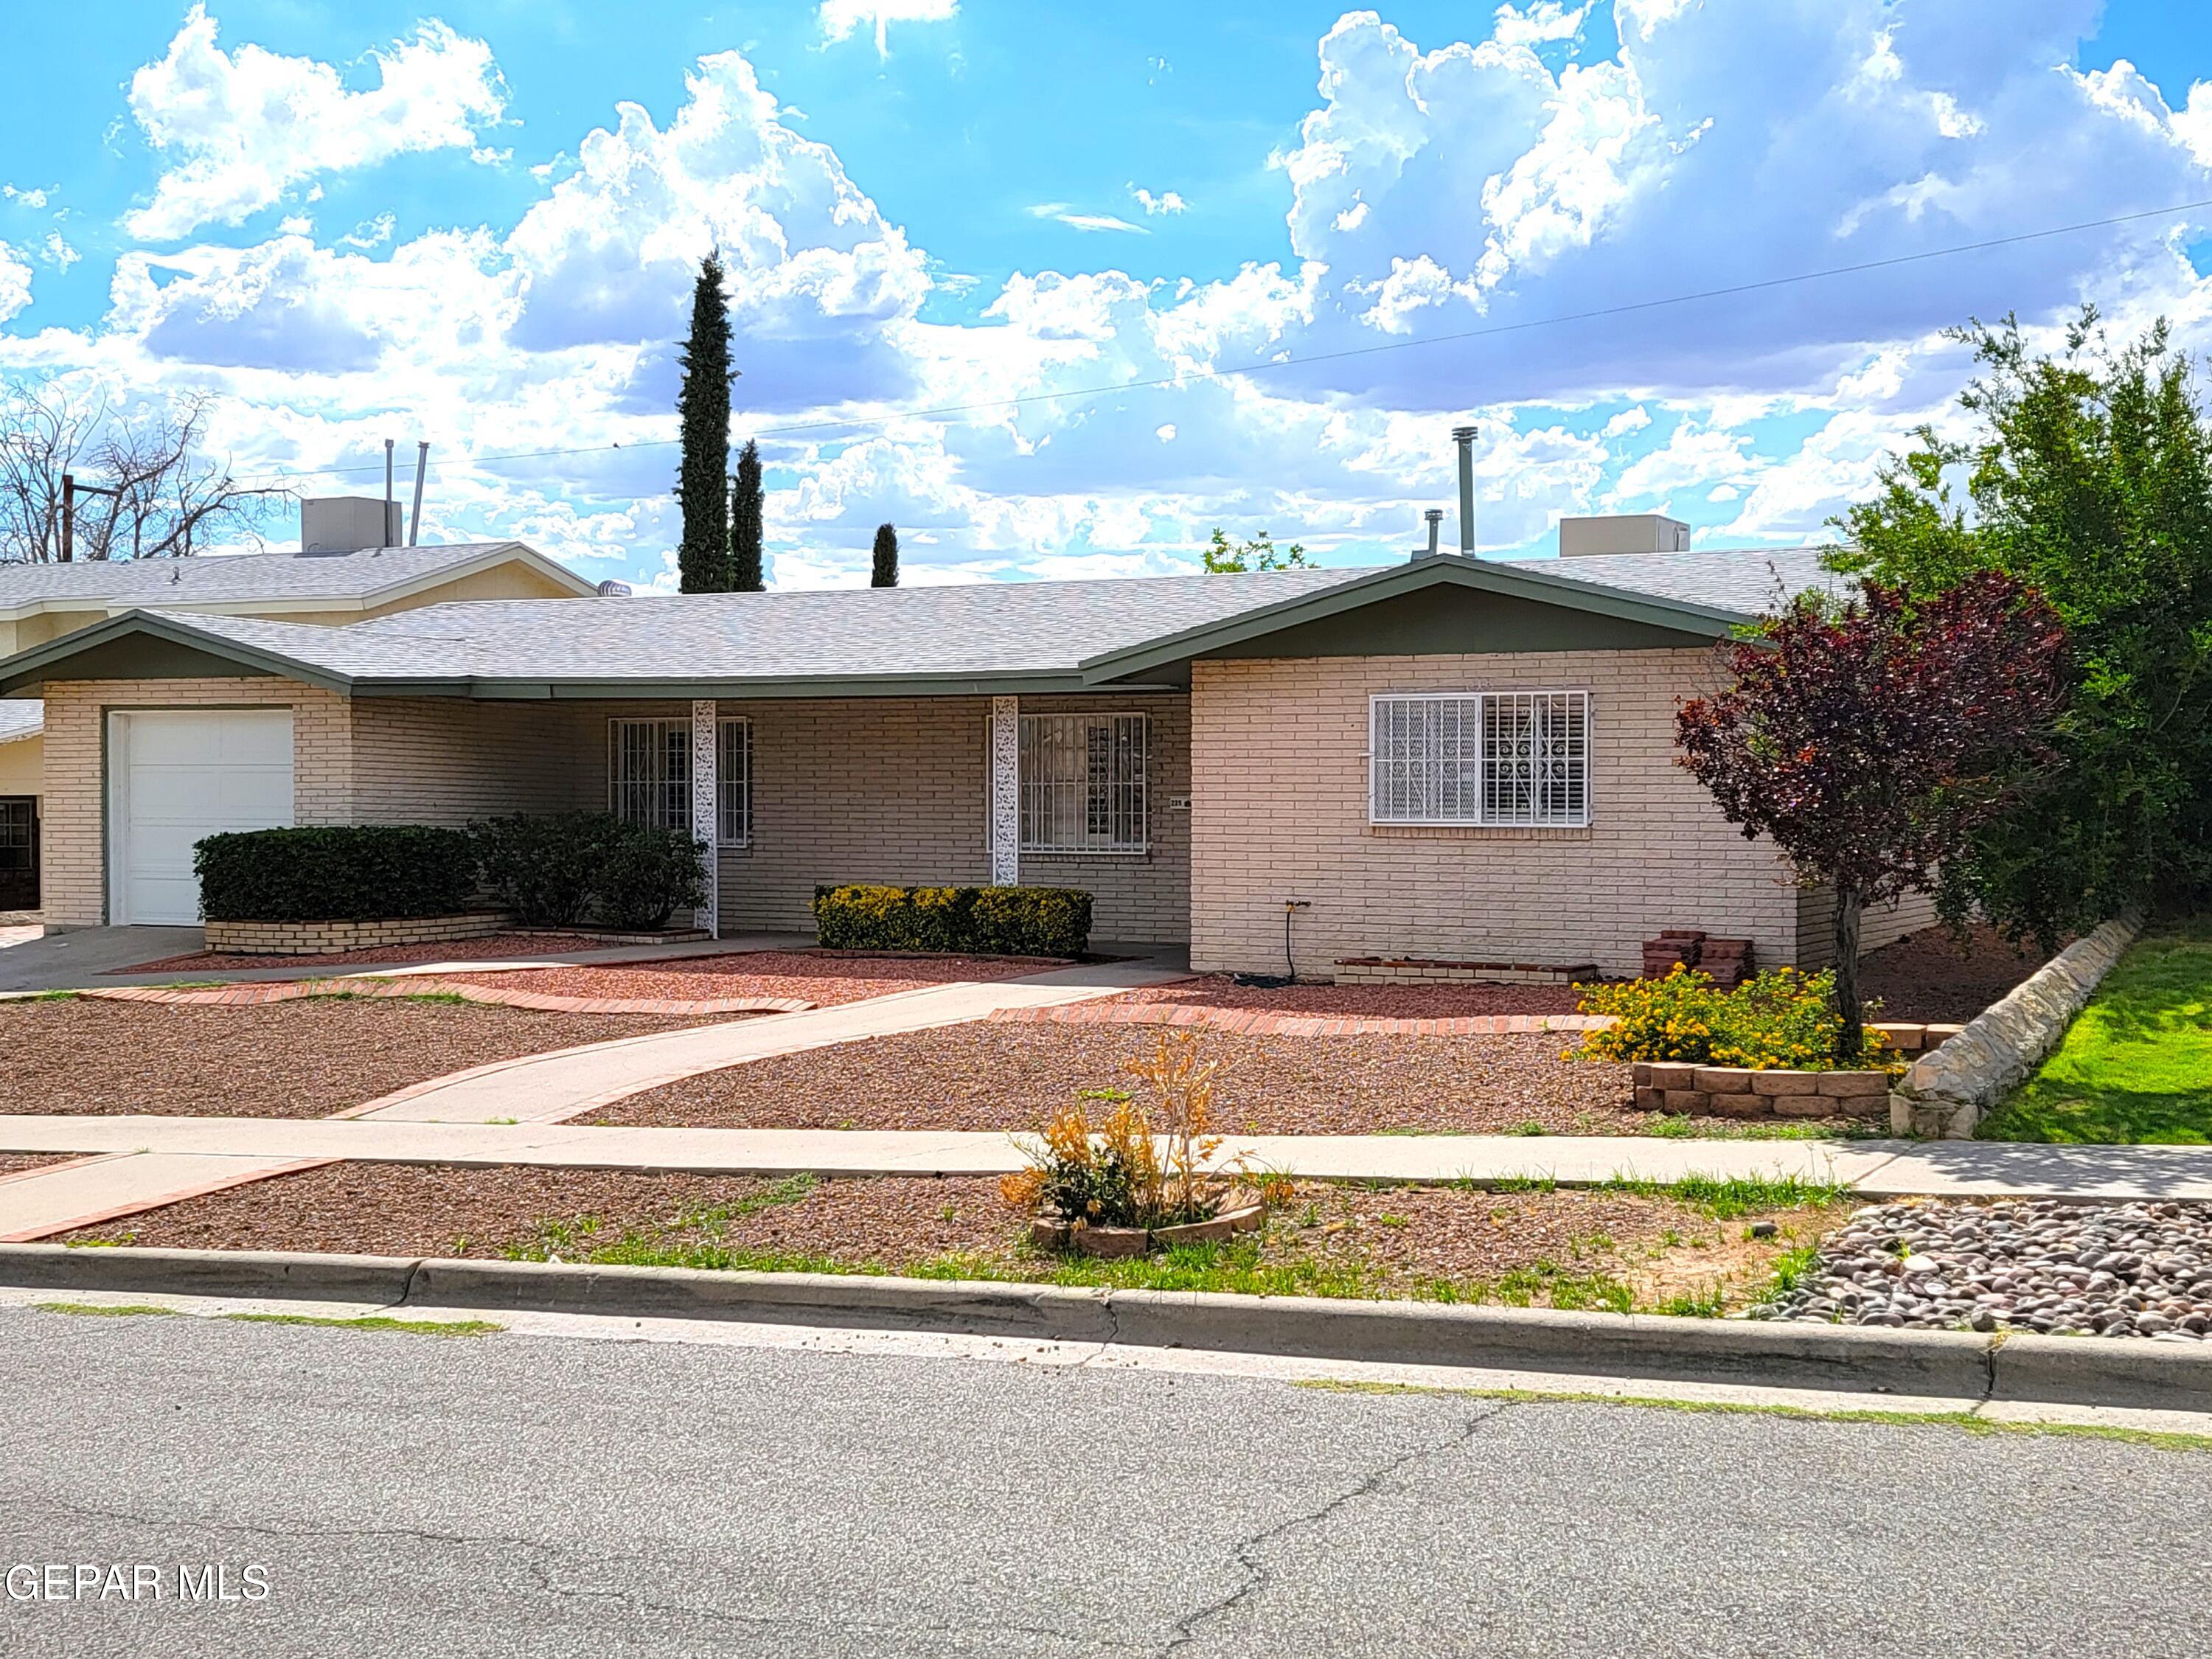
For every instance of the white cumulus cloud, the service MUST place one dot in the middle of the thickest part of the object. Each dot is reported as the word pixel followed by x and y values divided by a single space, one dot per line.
pixel 842 19
pixel 240 130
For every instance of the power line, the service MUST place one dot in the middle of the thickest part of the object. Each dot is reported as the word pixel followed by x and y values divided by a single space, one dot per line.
pixel 1186 377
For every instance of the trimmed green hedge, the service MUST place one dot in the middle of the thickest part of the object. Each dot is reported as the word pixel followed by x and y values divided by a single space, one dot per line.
pixel 349 873
pixel 1012 921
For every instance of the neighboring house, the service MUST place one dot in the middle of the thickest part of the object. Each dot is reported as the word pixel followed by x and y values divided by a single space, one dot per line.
pixel 1451 759
pixel 42 603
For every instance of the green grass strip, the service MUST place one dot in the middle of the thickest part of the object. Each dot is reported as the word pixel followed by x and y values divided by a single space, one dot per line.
pixel 375 1323
pixel 2159 1439
pixel 103 1310
pixel 2135 1067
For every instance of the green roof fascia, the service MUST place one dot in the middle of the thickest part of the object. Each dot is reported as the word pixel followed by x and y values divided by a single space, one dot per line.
pixel 1482 576
pixel 35 664
pixel 490 689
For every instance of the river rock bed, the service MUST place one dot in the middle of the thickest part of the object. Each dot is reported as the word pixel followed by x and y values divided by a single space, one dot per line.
pixel 2141 1270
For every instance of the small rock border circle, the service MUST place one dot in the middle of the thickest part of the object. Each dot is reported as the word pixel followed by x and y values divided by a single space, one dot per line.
pixel 2138 1270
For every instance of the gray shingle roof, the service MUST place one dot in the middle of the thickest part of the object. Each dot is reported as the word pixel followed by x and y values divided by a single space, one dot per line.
pixel 233 580
pixel 1024 632
pixel 1750 579
pixel 20 718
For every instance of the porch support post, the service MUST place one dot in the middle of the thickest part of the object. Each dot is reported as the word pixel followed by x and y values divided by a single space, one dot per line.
pixel 1006 790
pixel 706 807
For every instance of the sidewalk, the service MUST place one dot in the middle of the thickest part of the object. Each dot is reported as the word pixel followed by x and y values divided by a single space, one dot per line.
pixel 149 1158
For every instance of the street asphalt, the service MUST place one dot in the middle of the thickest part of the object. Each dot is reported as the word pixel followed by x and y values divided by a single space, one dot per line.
pixel 408 1495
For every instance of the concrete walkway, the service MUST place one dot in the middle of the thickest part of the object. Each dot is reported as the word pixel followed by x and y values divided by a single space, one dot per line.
pixel 149 1160
pixel 156 1169
pixel 570 1082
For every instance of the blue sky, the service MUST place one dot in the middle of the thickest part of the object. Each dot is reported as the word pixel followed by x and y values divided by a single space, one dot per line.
pixel 475 224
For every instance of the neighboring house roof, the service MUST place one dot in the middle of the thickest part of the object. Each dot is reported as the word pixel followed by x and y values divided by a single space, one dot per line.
pixel 1014 636
pixel 20 719
pixel 266 581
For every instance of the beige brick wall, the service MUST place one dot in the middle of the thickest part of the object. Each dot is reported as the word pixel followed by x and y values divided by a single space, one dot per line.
pixel 1279 756
pixel 74 839
pixel 1880 925
pixel 1138 898
pixel 897 790
pixel 446 760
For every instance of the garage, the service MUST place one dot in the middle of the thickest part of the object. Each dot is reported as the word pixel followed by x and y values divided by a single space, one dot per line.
pixel 176 776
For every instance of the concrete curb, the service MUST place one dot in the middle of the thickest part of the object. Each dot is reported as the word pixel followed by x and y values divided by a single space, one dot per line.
pixel 1948 1365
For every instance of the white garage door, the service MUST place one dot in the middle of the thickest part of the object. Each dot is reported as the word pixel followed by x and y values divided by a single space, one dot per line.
pixel 175 776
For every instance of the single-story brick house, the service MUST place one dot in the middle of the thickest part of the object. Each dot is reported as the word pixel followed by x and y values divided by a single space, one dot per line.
pixel 328 587
pixel 1451 759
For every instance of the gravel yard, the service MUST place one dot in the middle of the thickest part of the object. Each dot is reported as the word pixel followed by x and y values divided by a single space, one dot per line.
pixel 306 1059
pixel 1925 976
pixel 1564 1248
pixel 992 1075
pixel 2074 1269
pixel 1383 1001
pixel 17 1162
pixel 493 947
pixel 814 977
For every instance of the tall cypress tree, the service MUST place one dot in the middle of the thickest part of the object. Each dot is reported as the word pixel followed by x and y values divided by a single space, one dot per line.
pixel 885 573
pixel 745 523
pixel 702 557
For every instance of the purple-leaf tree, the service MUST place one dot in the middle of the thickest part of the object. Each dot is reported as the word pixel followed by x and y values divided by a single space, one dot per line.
pixel 1867 739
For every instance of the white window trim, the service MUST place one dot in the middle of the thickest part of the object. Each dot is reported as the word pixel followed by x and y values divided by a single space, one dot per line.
pixel 614 724
pixel 1137 849
pixel 1479 821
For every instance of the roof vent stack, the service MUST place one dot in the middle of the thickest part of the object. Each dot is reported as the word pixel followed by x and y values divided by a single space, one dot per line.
pixel 1434 516
pixel 421 465
pixel 1464 437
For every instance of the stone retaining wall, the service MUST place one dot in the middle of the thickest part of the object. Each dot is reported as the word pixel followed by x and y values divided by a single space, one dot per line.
pixel 303 939
pixel 1945 1094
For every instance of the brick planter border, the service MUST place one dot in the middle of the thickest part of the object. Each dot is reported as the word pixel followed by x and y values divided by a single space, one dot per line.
pixel 1737 1091
pixel 306 938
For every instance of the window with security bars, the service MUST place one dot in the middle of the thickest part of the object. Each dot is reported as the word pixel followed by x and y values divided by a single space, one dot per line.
pixel 649 775
pixel 1083 782
pixel 1502 759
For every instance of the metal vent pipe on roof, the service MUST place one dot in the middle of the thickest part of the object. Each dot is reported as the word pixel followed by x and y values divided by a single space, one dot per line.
pixel 415 518
pixel 385 540
pixel 1464 437
pixel 1434 516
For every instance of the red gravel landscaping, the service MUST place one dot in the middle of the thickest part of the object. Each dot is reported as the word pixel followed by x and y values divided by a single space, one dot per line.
pixel 989 1075
pixel 1927 976
pixel 1380 1001
pixel 1564 1248
pixel 813 977
pixel 305 1058
pixel 493 947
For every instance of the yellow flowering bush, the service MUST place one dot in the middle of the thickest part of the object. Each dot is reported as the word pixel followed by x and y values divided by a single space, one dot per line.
pixel 1780 1019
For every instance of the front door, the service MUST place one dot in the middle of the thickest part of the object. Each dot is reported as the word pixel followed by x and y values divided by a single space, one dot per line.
pixel 19 852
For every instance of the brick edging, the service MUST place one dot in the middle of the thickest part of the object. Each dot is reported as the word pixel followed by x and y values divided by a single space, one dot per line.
pixel 252 995
pixel 1264 1022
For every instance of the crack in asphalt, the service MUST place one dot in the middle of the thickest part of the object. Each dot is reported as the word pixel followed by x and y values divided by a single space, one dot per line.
pixel 542 1559
pixel 1258 1575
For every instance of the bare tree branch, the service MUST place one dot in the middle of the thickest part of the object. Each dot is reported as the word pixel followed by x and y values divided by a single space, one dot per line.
pixel 145 491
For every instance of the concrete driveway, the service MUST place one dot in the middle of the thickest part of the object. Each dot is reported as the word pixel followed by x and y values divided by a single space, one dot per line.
pixel 62 960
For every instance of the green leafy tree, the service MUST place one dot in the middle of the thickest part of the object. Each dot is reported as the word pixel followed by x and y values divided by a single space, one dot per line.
pixel 745 501
pixel 2090 480
pixel 702 407
pixel 884 573
pixel 1258 553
